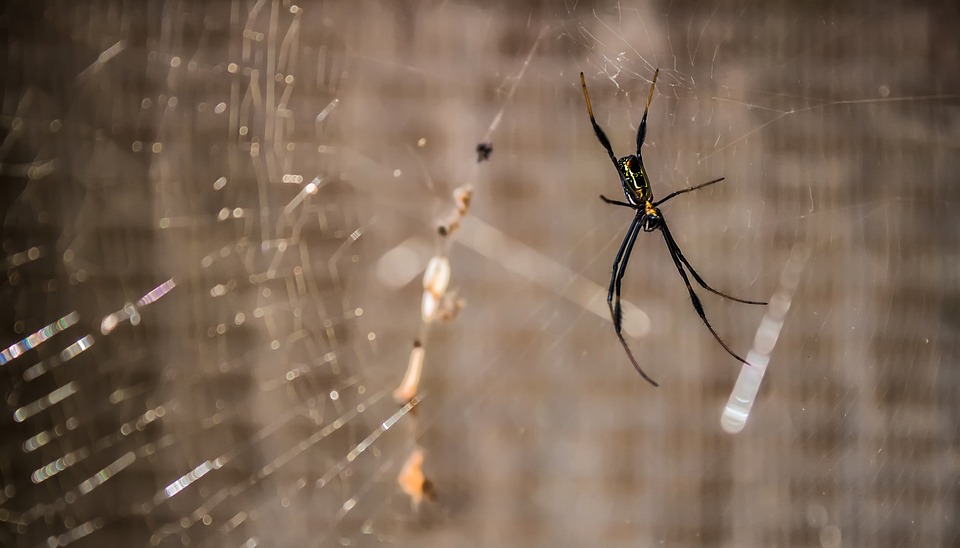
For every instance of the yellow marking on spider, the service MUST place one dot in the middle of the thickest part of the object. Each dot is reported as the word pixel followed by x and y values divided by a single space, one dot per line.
pixel 652 85
pixel 586 95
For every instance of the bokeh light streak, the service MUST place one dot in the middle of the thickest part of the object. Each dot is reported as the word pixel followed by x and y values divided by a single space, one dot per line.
pixel 52 398
pixel 156 293
pixel 108 472
pixel 68 353
pixel 38 338
pixel 737 410
pixel 185 480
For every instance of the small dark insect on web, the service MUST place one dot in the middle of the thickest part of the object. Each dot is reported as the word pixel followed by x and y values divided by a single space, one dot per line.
pixel 639 195
pixel 484 150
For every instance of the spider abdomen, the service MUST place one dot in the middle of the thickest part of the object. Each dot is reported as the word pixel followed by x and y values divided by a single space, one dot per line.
pixel 633 177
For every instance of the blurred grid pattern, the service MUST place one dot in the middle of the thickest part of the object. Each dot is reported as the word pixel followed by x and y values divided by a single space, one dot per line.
pixel 174 141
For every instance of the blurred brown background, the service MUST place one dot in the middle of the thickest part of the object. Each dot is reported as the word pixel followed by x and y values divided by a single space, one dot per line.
pixel 250 404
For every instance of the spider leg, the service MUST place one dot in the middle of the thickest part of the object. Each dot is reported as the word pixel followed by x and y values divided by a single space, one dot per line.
pixel 642 130
pixel 634 361
pixel 674 254
pixel 618 270
pixel 601 136
pixel 619 267
pixel 615 202
pixel 623 269
pixel 673 244
pixel 685 190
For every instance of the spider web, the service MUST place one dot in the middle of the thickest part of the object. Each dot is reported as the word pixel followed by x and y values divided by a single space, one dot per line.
pixel 216 217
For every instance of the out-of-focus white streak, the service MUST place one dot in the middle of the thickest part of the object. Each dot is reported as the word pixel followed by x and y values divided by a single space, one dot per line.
pixel 400 265
pixel 327 110
pixel 76 533
pixel 132 311
pixel 737 410
pixel 102 59
pixel 66 461
pixel 154 294
pixel 24 257
pixel 38 338
pixel 66 355
pixel 310 188
pixel 59 465
pixel 45 437
pixel 533 265
pixel 110 471
pixel 52 398
pixel 185 480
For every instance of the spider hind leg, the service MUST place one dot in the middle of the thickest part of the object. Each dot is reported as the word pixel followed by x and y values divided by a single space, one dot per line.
pixel 694 298
pixel 619 268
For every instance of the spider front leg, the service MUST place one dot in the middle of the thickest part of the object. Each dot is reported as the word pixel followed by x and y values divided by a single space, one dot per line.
pixel 597 130
pixel 642 130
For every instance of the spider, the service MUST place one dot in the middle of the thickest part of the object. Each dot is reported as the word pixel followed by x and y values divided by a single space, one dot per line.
pixel 639 195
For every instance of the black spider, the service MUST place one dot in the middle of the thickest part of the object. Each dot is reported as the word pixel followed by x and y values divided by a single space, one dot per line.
pixel 636 188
